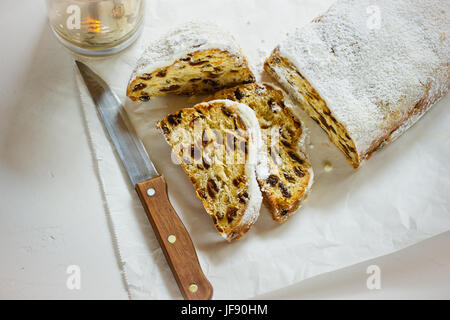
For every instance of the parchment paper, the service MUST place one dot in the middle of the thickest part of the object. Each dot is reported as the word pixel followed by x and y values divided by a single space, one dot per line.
pixel 400 197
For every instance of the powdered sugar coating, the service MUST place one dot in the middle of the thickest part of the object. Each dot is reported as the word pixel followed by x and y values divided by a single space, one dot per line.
pixel 190 37
pixel 373 75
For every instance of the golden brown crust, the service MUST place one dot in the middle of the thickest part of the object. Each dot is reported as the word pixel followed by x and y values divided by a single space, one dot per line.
pixel 419 109
pixel 290 172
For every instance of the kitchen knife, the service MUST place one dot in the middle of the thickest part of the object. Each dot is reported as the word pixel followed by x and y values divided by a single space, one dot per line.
pixel 151 188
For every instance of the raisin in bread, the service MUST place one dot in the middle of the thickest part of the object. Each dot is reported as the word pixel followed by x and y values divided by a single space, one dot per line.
pixel 193 59
pixel 368 83
pixel 290 174
pixel 219 145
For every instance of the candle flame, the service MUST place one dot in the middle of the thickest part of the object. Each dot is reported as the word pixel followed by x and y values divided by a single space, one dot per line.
pixel 91 24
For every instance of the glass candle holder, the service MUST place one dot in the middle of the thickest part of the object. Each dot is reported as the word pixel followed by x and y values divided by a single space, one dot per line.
pixel 96 27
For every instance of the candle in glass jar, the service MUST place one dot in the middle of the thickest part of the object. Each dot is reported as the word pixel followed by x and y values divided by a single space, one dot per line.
pixel 96 27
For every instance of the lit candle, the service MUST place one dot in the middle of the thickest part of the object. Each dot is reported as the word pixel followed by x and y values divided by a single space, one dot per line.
pixel 96 27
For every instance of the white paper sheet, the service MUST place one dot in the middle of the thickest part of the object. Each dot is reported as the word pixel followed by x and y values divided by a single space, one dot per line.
pixel 399 197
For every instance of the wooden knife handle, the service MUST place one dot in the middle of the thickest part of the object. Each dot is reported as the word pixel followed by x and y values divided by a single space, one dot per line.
pixel 174 240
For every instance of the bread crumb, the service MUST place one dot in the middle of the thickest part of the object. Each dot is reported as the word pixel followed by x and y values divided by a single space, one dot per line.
pixel 328 167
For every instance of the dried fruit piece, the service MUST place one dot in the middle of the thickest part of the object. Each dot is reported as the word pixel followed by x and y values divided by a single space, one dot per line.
pixel 227 112
pixel 161 73
pixel 198 63
pixel 237 181
pixel 289 178
pixel 165 129
pixel 202 194
pixel 210 82
pixel 174 119
pixel 273 180
pixel 295 157
pixel 238 94
pixel 284 190
pixel 299 172
pixel 206 163
pixel 212 188
pixel 231 214
pixel 243 197
pixel 139 86
pixel 171 88
pixel 240 124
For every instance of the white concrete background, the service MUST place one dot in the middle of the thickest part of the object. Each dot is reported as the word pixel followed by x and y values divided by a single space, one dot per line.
pixel 51 209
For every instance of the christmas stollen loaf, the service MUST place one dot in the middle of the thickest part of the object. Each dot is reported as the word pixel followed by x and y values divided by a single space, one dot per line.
pixel 367 70
pixel 219 146
pixel 192 59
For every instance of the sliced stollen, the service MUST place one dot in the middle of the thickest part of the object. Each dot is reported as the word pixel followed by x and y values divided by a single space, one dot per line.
pixel 192 59
pixel 220 147
pixel 367 70
pixel 290 175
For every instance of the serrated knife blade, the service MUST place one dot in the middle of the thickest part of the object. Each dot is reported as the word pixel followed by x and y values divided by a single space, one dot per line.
pixel 170 231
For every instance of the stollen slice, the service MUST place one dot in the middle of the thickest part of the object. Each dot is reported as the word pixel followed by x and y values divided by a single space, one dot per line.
pixel 195 58
pixel 220 148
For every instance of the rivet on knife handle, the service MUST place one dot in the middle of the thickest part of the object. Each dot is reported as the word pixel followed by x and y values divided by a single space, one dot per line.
pixel 174 240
